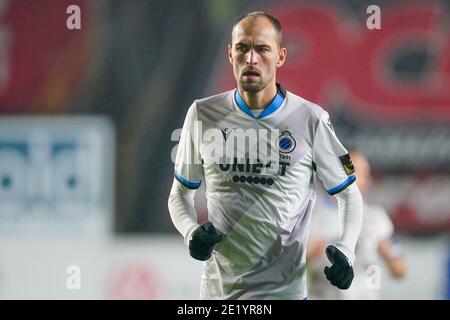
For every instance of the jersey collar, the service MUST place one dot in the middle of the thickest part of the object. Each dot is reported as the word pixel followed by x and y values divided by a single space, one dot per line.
pixel 268 110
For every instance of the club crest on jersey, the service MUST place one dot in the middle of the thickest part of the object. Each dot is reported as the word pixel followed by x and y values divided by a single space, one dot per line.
pixel 286 142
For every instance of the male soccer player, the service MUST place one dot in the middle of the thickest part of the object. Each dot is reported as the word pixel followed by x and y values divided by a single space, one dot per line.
pixel 254 244
pixel 377 241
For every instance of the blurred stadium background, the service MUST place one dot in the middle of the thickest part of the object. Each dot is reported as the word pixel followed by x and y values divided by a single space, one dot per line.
pixel 89 119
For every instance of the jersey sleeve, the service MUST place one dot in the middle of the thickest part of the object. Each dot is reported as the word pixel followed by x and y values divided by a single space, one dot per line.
pixel 188 161
pixel 331 160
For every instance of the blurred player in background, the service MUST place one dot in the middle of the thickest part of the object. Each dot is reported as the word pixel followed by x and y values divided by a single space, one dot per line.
pixel 377 240
pixel 254 244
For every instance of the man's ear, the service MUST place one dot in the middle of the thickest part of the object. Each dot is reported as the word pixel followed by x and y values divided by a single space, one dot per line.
pixel 282 54
pixel 230 56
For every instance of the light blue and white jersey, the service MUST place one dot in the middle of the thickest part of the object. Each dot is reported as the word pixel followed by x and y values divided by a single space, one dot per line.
pixel 262 204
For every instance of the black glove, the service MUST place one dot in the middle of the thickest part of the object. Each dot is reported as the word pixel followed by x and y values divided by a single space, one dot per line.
pixel 203 240
pixel 340 274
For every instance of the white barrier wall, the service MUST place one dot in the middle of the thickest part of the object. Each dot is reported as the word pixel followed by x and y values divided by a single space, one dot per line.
pixel 121 268
pixel 159 267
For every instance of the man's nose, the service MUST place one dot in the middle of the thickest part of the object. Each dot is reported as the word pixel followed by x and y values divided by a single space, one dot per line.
pixel 251 57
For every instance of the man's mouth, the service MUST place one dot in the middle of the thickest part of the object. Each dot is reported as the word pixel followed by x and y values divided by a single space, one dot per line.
pixel 251 73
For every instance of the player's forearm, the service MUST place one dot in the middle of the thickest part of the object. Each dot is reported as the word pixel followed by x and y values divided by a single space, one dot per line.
pixel 393 256
pixel 182 211
pixel 350 208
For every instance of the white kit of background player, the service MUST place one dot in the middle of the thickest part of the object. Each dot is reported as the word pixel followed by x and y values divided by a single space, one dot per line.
pixel 263 215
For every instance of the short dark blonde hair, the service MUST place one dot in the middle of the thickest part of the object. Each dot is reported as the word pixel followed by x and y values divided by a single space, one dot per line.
pixel 260 14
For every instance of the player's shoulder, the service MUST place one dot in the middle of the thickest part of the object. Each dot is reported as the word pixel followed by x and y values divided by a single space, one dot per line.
pixel 376 215
pixel 314 111
pixel 212 105
pixel 219 99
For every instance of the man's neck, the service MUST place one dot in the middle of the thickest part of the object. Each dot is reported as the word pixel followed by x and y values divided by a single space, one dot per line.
pixel 260 99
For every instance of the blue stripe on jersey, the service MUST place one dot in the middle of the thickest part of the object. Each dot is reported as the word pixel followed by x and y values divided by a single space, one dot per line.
pixel 342 186
pixel 271 108
pixel 187 183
